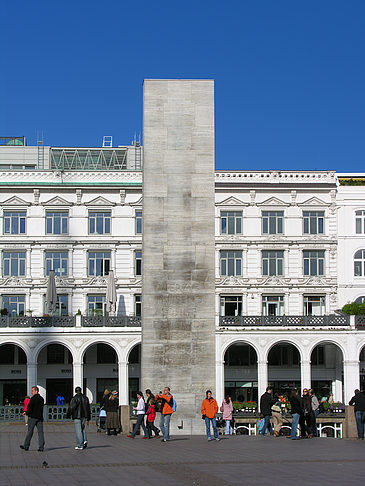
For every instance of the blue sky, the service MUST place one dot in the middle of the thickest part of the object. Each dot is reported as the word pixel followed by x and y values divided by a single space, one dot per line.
pixel 289 75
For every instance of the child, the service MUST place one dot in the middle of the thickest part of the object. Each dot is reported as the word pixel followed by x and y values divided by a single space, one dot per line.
pixel 260 424
pixel 151 415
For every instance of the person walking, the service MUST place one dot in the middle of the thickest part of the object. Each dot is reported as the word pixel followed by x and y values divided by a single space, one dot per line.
pixel 209 410
pixel 277 416
pixel 151 415
pixel 296 412
pixel 227 411
pixel 112 420
pixel 140 409
pixel 35 419
pixel 315 412
pixel 167 404
pixel 151 398
pixel 306 418
pixel 359 401
pixel 25 406
pixel 266 402
pixel 79 411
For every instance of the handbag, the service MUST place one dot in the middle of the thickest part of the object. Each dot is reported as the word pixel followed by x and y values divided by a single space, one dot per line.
pixel 276 408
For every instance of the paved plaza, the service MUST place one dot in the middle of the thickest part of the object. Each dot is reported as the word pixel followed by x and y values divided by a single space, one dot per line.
pixel 183 461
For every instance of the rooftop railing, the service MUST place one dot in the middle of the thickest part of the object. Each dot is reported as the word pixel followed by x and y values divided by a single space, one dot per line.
pixel 111 321
pixel 332 320
pixel 70 321
pixel 360 323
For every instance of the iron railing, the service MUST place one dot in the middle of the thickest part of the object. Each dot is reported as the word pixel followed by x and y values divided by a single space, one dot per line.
pixel 44 321
pixel 111 321
pixel 51 413
pixel 360 323
pixel 332 320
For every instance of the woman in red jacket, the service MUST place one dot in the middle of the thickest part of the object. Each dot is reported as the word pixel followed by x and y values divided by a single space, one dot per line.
pixel 151 415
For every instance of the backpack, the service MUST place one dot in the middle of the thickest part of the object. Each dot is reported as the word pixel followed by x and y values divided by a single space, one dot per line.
pixel 174 405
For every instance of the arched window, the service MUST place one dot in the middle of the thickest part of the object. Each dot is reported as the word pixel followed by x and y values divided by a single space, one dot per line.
pixel 360 300
pixel 359 263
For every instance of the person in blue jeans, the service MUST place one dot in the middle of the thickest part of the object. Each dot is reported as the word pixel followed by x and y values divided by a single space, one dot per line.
pixel 359 401
pixel 266 402
pixel 209 411
pixel 296 412
pixel 79 411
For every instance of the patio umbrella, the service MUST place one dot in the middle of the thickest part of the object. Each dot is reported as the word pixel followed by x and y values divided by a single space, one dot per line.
pixel 111 293
pixel 51 295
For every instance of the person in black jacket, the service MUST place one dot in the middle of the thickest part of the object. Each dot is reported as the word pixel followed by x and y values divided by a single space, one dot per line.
pixel 35 419
pixel 296 412
pixel 359 401
pixel 266 402
pixel 79 410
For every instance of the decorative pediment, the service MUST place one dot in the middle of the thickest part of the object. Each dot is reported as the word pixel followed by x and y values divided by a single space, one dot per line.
pixel 137 203
pixel 98 281
pixel 15 201
pixel 100 201
pixel 273 201
pixel 57 201
pixel 231 201
pixel 313 201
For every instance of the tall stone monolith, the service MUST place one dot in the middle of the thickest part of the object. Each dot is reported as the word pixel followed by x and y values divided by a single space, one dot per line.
pixel 178 304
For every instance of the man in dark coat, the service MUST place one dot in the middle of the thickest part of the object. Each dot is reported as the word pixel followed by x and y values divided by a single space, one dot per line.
pixel 35 419
pixel 359 401
pixel 79 410
pixel 266 402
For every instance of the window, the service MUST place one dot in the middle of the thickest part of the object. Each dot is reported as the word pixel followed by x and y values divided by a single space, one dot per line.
pixel 105 354
pixel 359 263
pixel 240 355
pixel 138 263
pixel 138 222
pixel 231 305
pixel 272 305
pixel 58 354
pixel 14 222
pixel 56 261
pixel 318 356
pixel 99 223
pixel 99 263
pixel 231 222
pixel 13 305
pixel 272 222
pixel 313 222
pixel 284 355
pixel 231 263
pixel 272 263
pixel 360 300
pixel 313 262
pixel 14 264
pixel 56 222
pixel 360 222
pixel 314 305
pixel 61 305
pixel 138 305
pixel 96 305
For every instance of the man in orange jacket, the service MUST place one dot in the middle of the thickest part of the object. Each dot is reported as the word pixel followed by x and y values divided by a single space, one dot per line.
pixel 209 411
pixel 167 401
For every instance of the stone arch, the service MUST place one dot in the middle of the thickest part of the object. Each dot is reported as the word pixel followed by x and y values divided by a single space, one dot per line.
pixel 283 340
pixel 63 342
pixel 22 346
pixel 95 341
pixel 236 340
pixel 129 347
pixel 322 340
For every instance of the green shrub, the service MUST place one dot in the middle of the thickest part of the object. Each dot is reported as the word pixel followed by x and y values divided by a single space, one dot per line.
pixel 354 309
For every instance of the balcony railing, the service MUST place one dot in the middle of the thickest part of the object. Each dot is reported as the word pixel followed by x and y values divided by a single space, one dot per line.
pixel 360 323
pixel 46 321
pixel 70 321
pixel 111 321
pixel 332 320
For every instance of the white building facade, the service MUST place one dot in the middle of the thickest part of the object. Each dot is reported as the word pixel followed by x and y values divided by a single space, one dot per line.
pixel 285 249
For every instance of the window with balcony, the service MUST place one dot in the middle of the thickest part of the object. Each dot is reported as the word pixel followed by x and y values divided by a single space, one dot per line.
pixel 13 305
pixel 231 222
pixel 138 305
pixel 99 222
pixel 272 222
pixel 231 305
pixel 138 263
pixel 359 263
pixel 14 264
pixel 231 263
pixel 313 262
pixel 139 222
pixel 99 263
pixel 272 263
pixel 314 305
pixel 14 222
pixel 313 222
pixel 56 261
pixel 96 305
pixel 272 305
pixel 360 222
pixel 56 222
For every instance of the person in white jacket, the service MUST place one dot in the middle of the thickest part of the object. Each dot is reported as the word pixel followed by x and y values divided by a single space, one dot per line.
pixel 141 410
